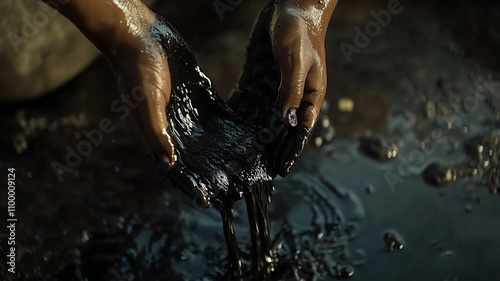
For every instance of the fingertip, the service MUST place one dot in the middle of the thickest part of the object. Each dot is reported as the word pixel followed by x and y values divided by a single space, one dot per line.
pixel 292 149
pixel 165 162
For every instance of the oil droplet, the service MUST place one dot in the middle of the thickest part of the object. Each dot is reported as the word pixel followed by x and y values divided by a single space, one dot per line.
pixel 439 175
pixel 346 271
pixel 377 147
pixel 393 240
pixel 430 110
pixel 370 189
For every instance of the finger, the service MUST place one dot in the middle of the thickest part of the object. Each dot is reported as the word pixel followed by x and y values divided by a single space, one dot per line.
pixel 147 81
pixel 307 115
pixel 154 119
pixel 293 74
pixel 293 147
pixel 314 93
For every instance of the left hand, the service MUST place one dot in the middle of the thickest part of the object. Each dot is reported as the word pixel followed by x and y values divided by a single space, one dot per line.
pixel 297 33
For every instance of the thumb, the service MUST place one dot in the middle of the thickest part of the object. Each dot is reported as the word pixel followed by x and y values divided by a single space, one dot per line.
pixel 154 120
pixel 149 120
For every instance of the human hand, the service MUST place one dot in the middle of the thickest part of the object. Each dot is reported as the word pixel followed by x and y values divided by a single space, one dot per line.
pixel 297 33
pixel 144 80
pixel 122 31
pixel 142 69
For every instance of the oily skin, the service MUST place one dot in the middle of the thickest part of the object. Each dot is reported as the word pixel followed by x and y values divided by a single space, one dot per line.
pixel 297 32
pixel 121 30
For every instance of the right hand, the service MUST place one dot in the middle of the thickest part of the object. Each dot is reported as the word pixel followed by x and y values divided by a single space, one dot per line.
pixel 143 72
pixel 143 75
pixel 121 30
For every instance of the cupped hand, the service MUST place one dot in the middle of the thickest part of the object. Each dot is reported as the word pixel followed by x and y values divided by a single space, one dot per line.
pixel 122 31
pixel 143 76
pixel 297 33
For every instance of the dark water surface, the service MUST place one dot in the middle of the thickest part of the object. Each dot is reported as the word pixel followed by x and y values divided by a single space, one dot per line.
pixel 416 198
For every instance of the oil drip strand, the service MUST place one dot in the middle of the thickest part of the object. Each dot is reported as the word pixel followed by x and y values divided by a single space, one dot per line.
pixel 227 153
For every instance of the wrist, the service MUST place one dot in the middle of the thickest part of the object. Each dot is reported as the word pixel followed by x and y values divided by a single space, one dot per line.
pixel 110 26
pixel 316 13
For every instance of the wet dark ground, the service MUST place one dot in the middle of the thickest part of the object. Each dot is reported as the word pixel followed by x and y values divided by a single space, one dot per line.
pixel 423 182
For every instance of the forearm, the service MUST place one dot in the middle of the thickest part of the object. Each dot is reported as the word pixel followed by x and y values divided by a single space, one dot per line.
pixel 316 13
pixel 108 23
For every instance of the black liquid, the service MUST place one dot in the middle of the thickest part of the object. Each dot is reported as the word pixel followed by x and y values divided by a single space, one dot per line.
pixel 225 155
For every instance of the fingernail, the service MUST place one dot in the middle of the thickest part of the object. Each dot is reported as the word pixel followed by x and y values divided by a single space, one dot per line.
pixel 165 163
pixel 291 116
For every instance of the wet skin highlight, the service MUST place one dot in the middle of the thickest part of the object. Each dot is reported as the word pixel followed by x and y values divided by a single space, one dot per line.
pixel 297 33
pixel 191 132
pixel 120 30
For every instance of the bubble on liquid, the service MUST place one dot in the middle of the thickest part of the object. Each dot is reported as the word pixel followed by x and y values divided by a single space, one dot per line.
pixel 346 271
pixel 393 240
pixel 378 147
pixel 430 110
pixel 439 175
pixel 476 145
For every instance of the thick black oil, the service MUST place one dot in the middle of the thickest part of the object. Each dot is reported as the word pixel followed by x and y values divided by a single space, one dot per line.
pixel 221 158
pixel 112 219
